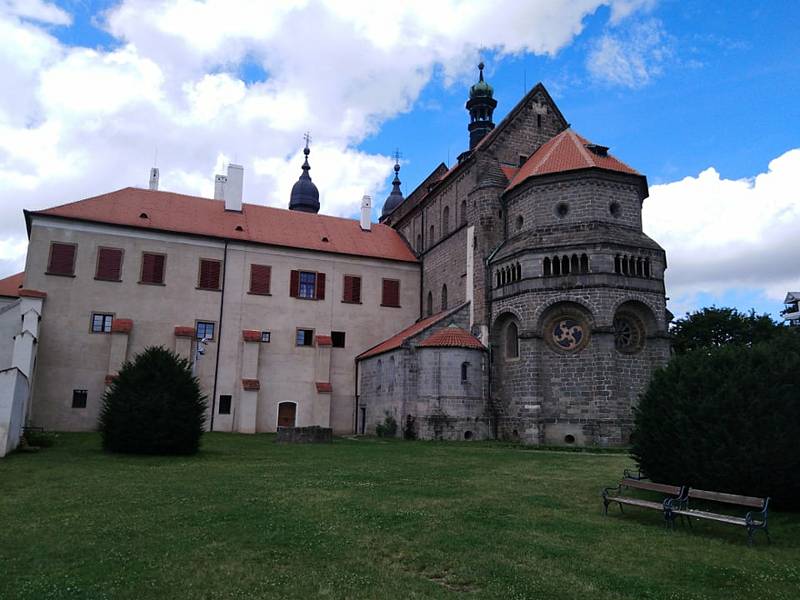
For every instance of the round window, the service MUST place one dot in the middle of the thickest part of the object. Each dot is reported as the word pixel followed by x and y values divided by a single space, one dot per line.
pixel 628 333
pixel 567 333
pixel 562 209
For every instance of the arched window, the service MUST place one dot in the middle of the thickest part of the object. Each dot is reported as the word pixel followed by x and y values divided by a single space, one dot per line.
pixel 556 266
pixel 512 341
pixel 430 238
pixel 519 272
pixel 464 372
pixel 379 375
pixel 419 242
pixel 445 221
pixel 444 297
pixel 617 264
pixel 463 212
pixel 430 303
pixel 498 279
pixel 546 267
pixel 565 265
pixel 625 261
pixel 640 267
pixel 584 263
pixel 575 265
pixel 647 267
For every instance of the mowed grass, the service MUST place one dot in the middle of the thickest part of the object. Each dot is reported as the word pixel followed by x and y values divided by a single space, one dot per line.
pixel 248 518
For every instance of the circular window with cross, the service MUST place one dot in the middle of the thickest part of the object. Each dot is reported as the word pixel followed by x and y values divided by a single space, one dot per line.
pixel 567 333
pixel 629 333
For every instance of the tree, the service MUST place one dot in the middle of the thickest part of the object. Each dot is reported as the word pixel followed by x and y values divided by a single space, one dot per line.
pixel 726 419
pixel 713 327
pixel 154 406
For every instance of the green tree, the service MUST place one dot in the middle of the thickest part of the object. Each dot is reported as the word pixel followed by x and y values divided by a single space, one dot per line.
pixel 727 419
pixel 155 406
pixel 712 327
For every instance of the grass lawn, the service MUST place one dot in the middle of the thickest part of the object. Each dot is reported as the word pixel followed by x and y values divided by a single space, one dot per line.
pixel 247 518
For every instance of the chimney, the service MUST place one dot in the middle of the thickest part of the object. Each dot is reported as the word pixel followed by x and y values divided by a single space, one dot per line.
pixel 154 178
pixel 219 186
pixel 233 188
pixel 366 213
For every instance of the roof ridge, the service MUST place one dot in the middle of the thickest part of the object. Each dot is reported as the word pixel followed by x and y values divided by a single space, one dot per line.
pixel 581 148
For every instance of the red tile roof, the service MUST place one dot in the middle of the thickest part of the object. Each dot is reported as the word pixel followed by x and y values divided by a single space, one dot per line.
pixel 324 388
pixel 566 152
pixel 397 340
pixel 167 211
pixel 509 172
pixel 452 337
pixel 11 285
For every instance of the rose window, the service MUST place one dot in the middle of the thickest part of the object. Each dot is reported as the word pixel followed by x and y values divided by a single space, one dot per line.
pixel 567 334
pixel 628 334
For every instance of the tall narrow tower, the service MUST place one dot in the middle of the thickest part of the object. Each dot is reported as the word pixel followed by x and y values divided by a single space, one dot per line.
pixel 480 105
pixel 305 196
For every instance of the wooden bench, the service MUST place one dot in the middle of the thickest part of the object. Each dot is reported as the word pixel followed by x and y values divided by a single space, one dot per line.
pixel 753 520
pixel 617 494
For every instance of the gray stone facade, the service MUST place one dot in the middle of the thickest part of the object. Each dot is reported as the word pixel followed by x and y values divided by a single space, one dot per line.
pixel 563 287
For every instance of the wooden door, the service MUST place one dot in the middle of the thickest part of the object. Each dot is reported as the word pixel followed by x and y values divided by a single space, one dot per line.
pixel 286 414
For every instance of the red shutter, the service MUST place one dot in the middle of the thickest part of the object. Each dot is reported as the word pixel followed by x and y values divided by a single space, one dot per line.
pixel 294 284
pixel 209 274
pixel 260 276
pixel 109 264
pixel 320 286
pixel 152 268
pixel 347 293
pixel 391 292
pixel 356 289
pixel 62 259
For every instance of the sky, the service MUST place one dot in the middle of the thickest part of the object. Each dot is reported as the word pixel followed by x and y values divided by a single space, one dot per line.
pixel 701 97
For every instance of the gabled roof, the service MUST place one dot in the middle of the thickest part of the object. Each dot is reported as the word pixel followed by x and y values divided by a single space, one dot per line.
pixel 397 340
pixel 452 337
pixel 567 151
pixel 11 285
pixel 179 213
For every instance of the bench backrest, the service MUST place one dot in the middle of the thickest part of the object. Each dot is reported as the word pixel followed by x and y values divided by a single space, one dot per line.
pixel 672 490
pixel 727 498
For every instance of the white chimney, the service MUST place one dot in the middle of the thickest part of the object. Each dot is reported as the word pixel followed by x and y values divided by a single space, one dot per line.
pixel 219 187
pixel 233 188
pixel 154 178
pixel 366 213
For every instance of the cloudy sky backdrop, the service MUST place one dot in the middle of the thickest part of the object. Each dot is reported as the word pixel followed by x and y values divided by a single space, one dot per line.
pixel 704 98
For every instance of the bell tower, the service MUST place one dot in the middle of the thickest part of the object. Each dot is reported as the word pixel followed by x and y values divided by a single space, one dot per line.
pixel 480 105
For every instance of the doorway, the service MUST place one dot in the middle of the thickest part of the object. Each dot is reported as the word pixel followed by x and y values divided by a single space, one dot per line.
pixel 287 412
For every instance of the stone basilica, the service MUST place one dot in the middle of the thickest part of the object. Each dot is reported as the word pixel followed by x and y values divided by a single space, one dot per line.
pixel 512 296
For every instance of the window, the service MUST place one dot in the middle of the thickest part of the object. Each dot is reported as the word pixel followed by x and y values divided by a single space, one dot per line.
pixel 265 337
pixel 260 279
pixel 430 238
pixel 337 339
pixel 352 289
pixel 512 341
pixel 464 372
pixel 62 259
pixel 208 278
pixel 109 264
pixel 224 404
pixel 391 293
pixel 463 212
pixel 79 398
pixel 304 337
pixel 204 330
pixel 307 284
pixel 153 268
pixel 429 310
pixel 101 322
pixel 445 221
pixel 444 297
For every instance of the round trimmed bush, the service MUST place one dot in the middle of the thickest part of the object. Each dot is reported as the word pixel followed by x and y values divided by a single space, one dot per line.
pixel 726 419
pixel 155 406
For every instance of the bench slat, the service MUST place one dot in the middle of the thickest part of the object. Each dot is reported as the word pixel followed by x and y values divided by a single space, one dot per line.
pixel 672 490
pixel 701 514
pixel 726 498
pixel 636 502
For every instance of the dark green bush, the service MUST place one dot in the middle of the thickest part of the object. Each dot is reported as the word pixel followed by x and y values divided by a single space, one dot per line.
pixel 39 439
pixel 155 406
pixel 388 428
pixel 726 419
pixel 410 428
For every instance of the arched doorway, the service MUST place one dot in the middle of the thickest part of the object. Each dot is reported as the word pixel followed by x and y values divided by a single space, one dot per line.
pixel 287 414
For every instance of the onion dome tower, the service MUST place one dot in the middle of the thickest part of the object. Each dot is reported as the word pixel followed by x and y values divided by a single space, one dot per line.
pixel 480 105
pixel 305 195
pixel 395 198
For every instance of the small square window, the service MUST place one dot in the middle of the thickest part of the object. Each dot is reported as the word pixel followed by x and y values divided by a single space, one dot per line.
pixel 337 338
pixel 224 404
pixel 304 337
pixel 101 322
pixel 265 336
pixel 205 329
pixel 79 398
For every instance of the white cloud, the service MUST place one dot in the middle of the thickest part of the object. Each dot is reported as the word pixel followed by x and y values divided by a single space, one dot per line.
pixel 630 58
pixel 727 235
pixel 36 10
pixel 83 121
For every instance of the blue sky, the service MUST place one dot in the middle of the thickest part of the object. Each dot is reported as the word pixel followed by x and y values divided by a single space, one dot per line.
pixel 703 98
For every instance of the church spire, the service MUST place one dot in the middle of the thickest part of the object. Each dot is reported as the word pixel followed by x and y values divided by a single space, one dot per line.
pixel 305 195
pixel 480 105
pixel 395 198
